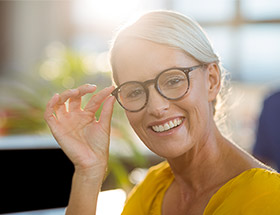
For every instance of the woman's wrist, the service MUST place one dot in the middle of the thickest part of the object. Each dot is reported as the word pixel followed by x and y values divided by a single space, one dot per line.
pixel 96 172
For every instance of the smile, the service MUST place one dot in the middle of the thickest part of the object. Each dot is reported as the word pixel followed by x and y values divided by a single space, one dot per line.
pixel 167 126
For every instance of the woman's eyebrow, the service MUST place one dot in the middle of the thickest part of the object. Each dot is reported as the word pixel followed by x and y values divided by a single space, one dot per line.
pixel 171 67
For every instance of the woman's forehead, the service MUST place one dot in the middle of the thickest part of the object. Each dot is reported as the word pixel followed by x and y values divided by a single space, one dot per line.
pixel 142 60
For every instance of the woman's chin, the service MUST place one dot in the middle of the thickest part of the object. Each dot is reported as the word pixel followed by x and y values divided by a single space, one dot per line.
pixel 171 149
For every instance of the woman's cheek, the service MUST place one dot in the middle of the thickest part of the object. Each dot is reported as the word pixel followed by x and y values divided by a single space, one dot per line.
pixel 135 120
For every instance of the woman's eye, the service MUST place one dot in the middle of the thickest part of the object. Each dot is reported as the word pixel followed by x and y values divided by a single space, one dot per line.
pixel 174 81
pixel 135 93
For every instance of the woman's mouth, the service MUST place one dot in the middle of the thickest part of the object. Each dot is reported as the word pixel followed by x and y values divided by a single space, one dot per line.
pixel 167 126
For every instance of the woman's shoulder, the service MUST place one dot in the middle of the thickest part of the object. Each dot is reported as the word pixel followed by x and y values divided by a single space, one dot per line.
pixel 258 179
pixel 254 191
pixel 146 194
pixel 262 174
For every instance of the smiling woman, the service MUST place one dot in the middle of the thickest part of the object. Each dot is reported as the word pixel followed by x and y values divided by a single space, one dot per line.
pixel 168 78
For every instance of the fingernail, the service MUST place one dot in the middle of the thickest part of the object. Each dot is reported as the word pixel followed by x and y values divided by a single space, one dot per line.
pixel 91 85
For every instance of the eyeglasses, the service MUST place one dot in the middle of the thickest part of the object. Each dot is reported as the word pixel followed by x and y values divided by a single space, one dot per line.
pixel 171 84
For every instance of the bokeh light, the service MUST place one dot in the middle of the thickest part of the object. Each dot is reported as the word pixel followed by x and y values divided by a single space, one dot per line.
pixel 105 12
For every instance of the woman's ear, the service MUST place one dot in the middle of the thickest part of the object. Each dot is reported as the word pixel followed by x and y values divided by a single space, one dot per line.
pixel 214 81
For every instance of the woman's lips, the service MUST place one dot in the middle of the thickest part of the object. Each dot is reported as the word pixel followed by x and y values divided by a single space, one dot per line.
pixel 167 125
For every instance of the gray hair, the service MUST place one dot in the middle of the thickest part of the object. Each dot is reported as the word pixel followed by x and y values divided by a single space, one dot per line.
pixel 168 28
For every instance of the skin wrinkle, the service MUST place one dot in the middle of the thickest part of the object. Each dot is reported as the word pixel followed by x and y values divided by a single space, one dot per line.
pixel 156 96
pixel 142 130
pixel 190 192
pixel 195 152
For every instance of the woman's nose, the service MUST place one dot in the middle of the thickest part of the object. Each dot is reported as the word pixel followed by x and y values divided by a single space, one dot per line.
pixel 157 105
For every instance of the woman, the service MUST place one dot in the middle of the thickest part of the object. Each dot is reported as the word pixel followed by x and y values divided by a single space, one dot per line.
pixel 168 79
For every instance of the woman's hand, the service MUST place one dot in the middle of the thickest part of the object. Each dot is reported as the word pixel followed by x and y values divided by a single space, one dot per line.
pixel 82 138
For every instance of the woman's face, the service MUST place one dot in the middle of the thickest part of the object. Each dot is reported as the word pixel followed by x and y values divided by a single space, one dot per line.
pixel 140 60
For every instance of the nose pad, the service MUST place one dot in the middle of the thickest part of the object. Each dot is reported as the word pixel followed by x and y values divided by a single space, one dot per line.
pixel 157 104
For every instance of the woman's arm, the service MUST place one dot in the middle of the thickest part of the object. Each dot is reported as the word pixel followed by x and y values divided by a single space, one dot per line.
pixel 84 140
pixel 84 193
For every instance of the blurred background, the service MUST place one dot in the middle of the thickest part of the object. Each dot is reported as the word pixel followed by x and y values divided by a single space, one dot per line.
pixel 49 46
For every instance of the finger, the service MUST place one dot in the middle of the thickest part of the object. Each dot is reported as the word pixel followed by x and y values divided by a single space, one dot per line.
pixel 49 112
pixel 96 101
pixel 60 107
pixel 75 101
pixel 63 97
pixel 106 113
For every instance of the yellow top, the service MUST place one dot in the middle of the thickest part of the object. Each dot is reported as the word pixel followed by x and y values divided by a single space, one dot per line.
pixel 255 191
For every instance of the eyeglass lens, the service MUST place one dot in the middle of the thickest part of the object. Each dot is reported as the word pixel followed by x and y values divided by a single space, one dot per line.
pixel 172 84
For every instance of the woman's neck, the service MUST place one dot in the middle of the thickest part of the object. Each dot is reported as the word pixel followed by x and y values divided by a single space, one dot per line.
pixel 205 166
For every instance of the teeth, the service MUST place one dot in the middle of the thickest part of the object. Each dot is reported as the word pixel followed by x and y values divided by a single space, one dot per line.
pixel 167 125
pixel 175 122
pixel 171 124
pixel 161 128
